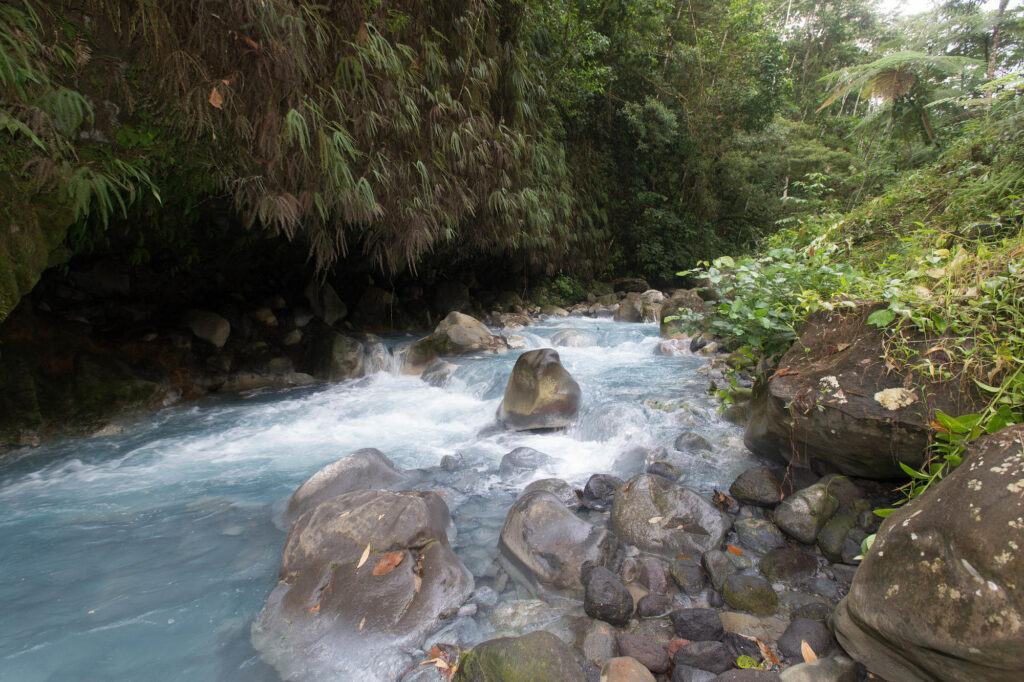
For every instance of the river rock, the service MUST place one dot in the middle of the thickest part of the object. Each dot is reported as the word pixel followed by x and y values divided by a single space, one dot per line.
pixel 938 594
pixel 687 673
pixel 572 338
pixel 697 625
pixel 208 326
pixel 656 515
pixel 760 535
pixel 653 606
pixel 832 669
pixel 688 574
pixel 750 593
pixel 363 469
pixel 597 641
pixel 457 334
pixel 544 544
pixel 333 592
pixel 557 487
pixel 803 514
pixel 606 598
pixel 438 373
pixel 757 485
pixel 718 567
pixel 650 654
pixel 537 656
pixel 653 576
pixel 636 308
pixel 750 675
pixel 599 491
pixel 337 357
pixel 801 630
pixel 824 406
pixel 711 656
pixel 522 460
pixel 680 300
pixel 625 669
pixel 788 565
pixel 540 393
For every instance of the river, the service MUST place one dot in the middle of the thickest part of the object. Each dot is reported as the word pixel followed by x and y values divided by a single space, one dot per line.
pixel 147 554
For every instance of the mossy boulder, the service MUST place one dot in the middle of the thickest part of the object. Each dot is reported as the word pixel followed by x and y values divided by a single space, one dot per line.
pixel 535 657
pixel 750 593
pixel 457 334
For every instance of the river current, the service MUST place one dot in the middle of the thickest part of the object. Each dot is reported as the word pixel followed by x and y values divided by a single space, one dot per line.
pixel 147 554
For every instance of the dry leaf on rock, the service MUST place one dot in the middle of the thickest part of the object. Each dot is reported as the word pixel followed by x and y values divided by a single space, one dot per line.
pixel 807 651
pixel 388 563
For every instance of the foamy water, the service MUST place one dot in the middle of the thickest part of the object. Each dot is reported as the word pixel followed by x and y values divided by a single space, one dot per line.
pixel 147 555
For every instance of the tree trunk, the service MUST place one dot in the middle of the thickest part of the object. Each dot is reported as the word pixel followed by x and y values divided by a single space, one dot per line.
pixel 996 32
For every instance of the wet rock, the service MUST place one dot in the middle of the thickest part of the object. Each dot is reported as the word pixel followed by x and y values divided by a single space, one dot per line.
pixel 664 469
pixel 572 338
pixel 817 636
pixel 522 460
pixel 625 669
pixel 606 598
pixel 544 545
pixel 653 606
pixel 711 656
pixel 937 596
pixel 337 357
pixel 651 655
pixel 659 516
pixel 741 646
pixel 597 641
pixel 361 470
pixel 691 442
pixel 852 546
pixel 438 373
pixel 599 492
pixel 328 591
pixel 653 575
pixel 760 535
pixel 788 565
pixel 457 334
pixel 825 409
pixel 757 485
pixel 540 393
pixel 538 656
pixel 803 514
pixel 557 487
pixel 680 300
pixel 833 535
pixel 750 675
pixel 687 673
pixel 208 326
pixel 750 593
pixel 764 628
pixel 718 567
pixel 554 311
pixel 697 625
pixel 834 669
pixel 688 574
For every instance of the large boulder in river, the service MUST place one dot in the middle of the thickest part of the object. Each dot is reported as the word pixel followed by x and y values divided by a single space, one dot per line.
pixel 363 575
pixel 543 544
pixel 457 334
pixel 337 357
pixel 366 468
pixel 659 516
pixel 835 399
pixel 572 338
pixel 540 393
pixel 537 656
pixel 938 596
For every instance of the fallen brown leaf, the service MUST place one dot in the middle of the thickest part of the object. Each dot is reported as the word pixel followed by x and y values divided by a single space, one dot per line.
pixel 216 99
pixel 766 653
pixel 388 563
pixel 735 550
pixel 314 608
pixel 807 651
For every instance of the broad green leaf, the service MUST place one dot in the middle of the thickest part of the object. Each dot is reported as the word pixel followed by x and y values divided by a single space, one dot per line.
pixel 881 318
